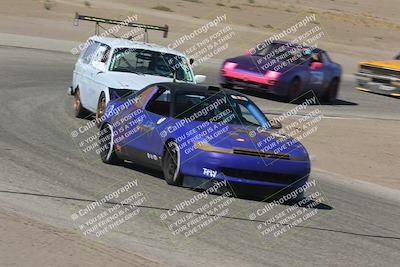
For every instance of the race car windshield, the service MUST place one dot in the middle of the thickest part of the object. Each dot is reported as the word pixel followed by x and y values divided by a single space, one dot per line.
pixel 219 107
pixel 151 62
pixel 283 52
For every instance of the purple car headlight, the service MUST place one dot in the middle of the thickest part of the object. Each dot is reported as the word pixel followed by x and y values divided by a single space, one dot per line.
pixel 204 146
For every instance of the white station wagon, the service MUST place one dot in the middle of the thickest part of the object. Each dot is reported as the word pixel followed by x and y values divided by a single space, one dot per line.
pixel 111 67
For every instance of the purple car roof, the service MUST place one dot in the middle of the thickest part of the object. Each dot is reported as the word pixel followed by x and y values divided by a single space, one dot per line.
pixel 283 42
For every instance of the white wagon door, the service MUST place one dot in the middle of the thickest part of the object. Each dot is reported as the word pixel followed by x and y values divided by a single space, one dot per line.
pixel 97 68
pixel 86 76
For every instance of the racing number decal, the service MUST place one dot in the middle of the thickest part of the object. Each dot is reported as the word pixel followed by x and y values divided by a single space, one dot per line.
pixel 317 77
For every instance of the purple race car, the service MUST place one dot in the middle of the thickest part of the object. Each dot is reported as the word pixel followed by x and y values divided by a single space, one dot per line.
pixel 284 69
pixel 202 133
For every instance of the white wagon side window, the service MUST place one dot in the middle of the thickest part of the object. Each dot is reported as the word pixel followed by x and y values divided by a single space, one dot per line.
pixel 90 51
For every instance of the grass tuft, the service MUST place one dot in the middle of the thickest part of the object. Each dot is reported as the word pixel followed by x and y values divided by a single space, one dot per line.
pixel 48 4
pixel 162 8
pixel 87 3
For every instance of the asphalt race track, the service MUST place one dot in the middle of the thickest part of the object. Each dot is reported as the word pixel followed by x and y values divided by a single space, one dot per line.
pixel 43 176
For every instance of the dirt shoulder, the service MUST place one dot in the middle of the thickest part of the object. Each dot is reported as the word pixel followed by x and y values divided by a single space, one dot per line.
pixel 350 32
pixel 363 149
pixel 25 242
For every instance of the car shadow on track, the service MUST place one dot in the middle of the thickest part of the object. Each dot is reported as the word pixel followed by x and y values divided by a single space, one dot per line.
pixel 311 204
pixel 274 196
pixel 264 198
pixel 143 169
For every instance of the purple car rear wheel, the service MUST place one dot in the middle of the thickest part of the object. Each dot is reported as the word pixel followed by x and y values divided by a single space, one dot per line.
pixel 332 91
pixel 294 89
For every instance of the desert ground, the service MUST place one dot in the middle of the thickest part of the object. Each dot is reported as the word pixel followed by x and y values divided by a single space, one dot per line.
pixel 354 30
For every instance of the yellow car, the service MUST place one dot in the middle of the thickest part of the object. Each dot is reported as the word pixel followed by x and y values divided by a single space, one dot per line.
pixel 381 77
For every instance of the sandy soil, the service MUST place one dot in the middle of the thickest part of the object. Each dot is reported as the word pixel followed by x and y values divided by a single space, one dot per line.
pixel 351 32
pixel 44 245
pixel 366 152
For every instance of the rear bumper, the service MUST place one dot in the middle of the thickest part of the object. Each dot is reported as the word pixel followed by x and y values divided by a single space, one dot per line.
pixel 272 89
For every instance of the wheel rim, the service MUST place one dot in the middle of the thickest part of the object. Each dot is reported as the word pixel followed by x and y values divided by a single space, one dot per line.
pixel 100 108
pixel 173 163
pixel 106 142
pixel 77 101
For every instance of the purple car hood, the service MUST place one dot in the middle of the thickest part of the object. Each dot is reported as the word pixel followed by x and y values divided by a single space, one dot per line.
pixel 249 139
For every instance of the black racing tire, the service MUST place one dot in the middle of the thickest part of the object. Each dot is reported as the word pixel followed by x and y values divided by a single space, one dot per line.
pixel 171 164
pixel 101 107
pixel 79 110
pixel 294 89
pixel 332 91
pixel 107 146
